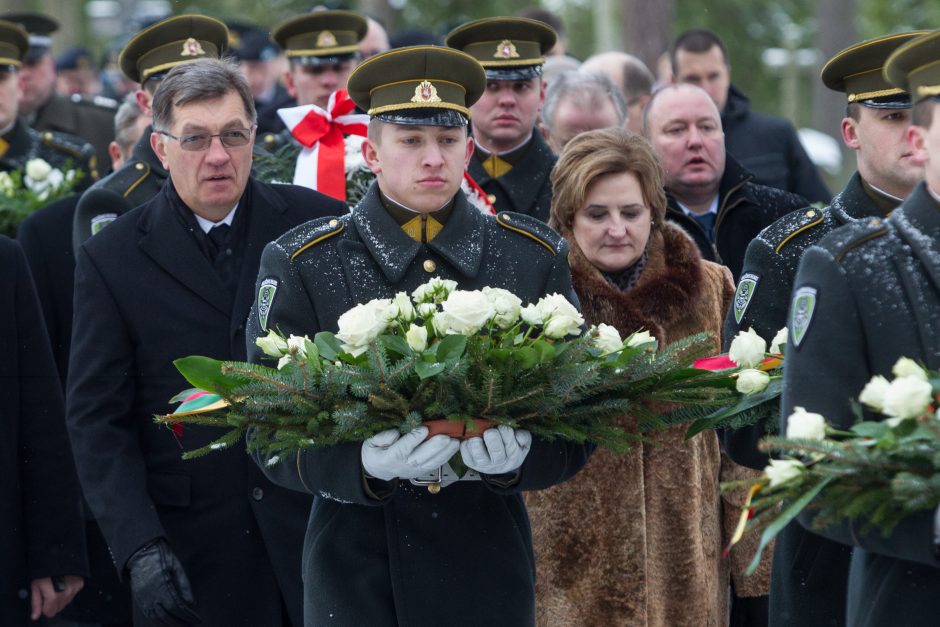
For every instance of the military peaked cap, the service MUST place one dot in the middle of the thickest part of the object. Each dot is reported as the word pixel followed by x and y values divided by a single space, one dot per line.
pixel 13 44
pixel 321 37
pixel 508 48
pixel 427 85
pixel 915 66
pixel 156 50
pixel 39 28
pixel 858 71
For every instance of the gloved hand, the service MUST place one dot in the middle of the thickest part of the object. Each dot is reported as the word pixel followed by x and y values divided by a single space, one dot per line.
pixel 499 451
pixel 389 455
pixel 160 587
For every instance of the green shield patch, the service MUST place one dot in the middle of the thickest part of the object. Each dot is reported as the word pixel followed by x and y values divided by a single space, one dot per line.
pixel 101 221
pixel 265 300
pixel 801 313
pixel 742 296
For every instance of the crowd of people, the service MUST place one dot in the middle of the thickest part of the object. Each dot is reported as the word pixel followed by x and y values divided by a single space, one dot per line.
pixel 212 207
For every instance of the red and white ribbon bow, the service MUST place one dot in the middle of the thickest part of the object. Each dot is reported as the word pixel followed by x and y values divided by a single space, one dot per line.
pixel 321 164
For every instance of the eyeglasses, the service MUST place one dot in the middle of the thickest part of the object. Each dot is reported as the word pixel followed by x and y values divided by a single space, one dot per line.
pixel 234 138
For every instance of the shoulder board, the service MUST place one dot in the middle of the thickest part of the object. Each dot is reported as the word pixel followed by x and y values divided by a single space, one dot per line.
pixel 128 178
pixel 856 234
pixel 315 232
pixel 785 229
pixel 100 102
pixel 530 227
pixel 66 143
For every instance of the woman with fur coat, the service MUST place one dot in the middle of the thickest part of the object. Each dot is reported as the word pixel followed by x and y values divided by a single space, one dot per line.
pixel 633 539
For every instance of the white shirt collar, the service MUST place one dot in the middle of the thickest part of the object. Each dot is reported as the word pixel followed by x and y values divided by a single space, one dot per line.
pixel 206 225
pixel 504 152
pixel 887 195
pixel 712 208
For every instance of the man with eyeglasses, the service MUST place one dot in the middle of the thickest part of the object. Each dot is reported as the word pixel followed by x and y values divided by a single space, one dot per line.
pixel 209 539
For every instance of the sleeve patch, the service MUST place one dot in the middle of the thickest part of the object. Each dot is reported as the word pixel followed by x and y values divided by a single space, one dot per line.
pixel 265 299
pixel 742 296
pixel 801 313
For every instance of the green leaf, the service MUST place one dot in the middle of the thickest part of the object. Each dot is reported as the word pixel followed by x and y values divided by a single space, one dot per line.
pixel 313 356
pixel 545 350
pixel 526 357
pixel 870 429
pixel 206 374
pixel 395 344
pixel 498 356
pixel 787 515
pixel 428 369
pixel 328 344
pixel 451 347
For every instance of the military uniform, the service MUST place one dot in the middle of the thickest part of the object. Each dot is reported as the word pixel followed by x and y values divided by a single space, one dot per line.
pixel 511 49
pixel 88 117
pixel 59 150
pixel 395 538
pixel 866 295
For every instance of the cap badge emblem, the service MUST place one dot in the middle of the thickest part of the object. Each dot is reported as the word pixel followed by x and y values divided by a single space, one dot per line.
pixel 192 48
pixel 506 50
pixel 326 39
pixel 426 92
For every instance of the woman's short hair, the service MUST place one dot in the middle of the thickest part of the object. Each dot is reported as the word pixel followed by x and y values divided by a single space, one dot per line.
pixel 594 154
pixel 198 80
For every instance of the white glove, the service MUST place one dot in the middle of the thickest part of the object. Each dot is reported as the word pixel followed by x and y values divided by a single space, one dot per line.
pixel 499 451
pixel 389 455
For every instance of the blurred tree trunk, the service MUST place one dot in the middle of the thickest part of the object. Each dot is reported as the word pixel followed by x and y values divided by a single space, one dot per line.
pixel 646 28
pixel 836 30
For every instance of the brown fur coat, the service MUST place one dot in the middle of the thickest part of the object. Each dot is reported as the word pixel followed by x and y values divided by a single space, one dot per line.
pixel 636 539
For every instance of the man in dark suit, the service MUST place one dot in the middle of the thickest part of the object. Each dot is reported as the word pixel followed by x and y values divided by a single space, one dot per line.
pixel 210 538
pixel 511 160
pixel 373 520
pixel 42 547
pixel 866 295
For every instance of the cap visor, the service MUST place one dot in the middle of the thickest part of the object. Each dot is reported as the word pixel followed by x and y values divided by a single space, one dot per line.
pixel 424 117
pixel 522 73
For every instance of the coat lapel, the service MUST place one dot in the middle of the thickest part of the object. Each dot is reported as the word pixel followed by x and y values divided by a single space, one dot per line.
pixel 166 241
pixel 461 240
pixel 390 248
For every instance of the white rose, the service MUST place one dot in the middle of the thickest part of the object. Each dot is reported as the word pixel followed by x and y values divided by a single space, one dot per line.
pixel 37 169
pixel 466 312
pixel 777 344
pixel 873 394
pixel 806 425
pixel 405 311
pixel 506 305
pixel 560 317
pixel 639 338
pixel 607 339
pixel 906 367
pixel 747 349
pixel 6 184
pixel 283 361
pixel 417 338
pixel 907 397
pixel 297 347
pixel 272 344
pixel 532 315
pixel 437 290
pixel 751 381
pixel 780 471
pixel 426 310
pixel 359 326
pixel 422 293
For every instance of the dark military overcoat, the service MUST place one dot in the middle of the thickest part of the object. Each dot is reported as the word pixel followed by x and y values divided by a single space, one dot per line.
pixel 41 526
pixel 404 556
pixel 57 149
pixel 866 295
pixel 91 118
pixel 526 188
pixel 146 294
pixel 808 581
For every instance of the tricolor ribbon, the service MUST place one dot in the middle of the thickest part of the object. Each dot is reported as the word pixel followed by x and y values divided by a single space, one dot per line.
pixel 321 164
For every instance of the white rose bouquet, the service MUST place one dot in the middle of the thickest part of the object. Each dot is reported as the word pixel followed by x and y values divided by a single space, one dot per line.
pixel 35 185
pixel 466 358
pixel 879 471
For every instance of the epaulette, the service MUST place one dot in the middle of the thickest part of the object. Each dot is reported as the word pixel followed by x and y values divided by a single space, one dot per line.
pixel 128 178
pixel 316 231
pixel 101 102
pixel 530 227
pixel 857 234
pixel 69 144
pixel 785 229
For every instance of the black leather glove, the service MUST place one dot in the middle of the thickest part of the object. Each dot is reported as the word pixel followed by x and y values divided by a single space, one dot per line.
pixel 160 588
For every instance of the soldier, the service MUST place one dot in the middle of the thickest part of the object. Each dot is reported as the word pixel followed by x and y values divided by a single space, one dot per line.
pixel 257 57
pixel 865 295
pixel 44 109
pixel 323 48
pixel 511 161
pixel 146 59
pixel 209 538
pixel 18 142
pixel 808 581
pixel 370 521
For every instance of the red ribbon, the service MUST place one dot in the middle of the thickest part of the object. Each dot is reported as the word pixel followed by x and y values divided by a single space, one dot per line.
pixel 328 128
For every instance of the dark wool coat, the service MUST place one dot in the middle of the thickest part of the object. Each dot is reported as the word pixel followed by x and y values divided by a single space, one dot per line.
pixel 92 119
pixel 146 294
pixel 386 554
pixel 41 525
pixel 875 289
pixel 744 210
pixel 636 539
pixel 769 147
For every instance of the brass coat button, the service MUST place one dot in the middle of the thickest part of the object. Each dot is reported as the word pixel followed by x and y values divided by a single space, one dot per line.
pixel 139 165
pixel 429 266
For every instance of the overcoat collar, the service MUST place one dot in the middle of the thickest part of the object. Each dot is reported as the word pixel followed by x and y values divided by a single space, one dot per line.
pixel 460 242
pixel 524 180
pixel 853 203
pixel 143 152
